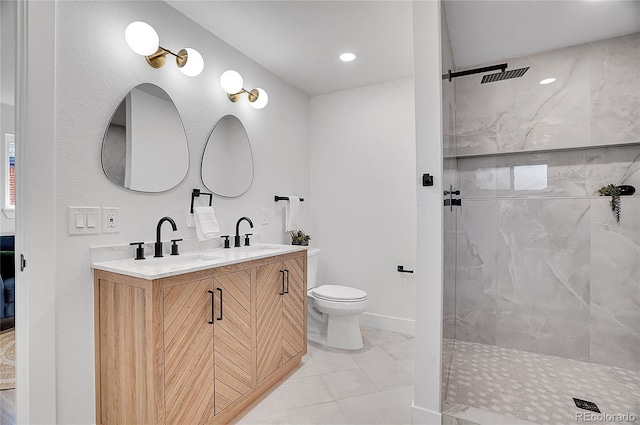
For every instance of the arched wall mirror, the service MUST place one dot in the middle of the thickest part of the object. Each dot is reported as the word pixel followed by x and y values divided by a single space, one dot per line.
pixel 145 146
pixel 227 162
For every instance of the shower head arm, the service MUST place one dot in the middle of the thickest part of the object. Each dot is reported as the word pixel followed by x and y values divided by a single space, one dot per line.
pixel 451 75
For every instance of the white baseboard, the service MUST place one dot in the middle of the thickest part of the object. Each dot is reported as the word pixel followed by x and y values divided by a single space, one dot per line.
pixel 388 323
pixel 420 416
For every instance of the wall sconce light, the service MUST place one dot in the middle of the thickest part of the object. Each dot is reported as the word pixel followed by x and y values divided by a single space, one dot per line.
pixel 231 82
pixel 144 40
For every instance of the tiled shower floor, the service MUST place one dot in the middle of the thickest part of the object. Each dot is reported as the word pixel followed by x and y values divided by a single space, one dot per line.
pixel 532 387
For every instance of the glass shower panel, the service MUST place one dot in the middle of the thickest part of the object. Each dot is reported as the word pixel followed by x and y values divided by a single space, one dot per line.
pixel 542 282
pixel 450 183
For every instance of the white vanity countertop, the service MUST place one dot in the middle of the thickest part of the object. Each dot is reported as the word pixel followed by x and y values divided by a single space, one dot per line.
pixel 193 261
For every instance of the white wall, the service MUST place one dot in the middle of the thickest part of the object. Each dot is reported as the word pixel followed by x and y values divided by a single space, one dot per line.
pixel 95 69
pixel 362 196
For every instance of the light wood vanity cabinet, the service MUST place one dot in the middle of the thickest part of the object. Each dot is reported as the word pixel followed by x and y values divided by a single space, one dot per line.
pixel 197 348
pixel 281 314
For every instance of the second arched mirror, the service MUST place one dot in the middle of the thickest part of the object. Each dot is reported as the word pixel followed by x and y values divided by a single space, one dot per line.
pixel 227 162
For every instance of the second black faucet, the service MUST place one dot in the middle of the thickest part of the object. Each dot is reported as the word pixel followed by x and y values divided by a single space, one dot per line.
pixel 158 245
pixel 237 237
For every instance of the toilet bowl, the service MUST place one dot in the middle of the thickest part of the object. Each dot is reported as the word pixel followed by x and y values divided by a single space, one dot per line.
pixel 333 310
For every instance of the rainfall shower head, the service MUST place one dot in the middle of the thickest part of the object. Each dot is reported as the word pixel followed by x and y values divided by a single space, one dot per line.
pixel 504 75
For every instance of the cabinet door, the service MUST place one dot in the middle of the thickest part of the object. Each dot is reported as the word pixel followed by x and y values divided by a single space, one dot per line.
pixel 294 313
pixel 232 338
pixel 188 353
pixel 269 287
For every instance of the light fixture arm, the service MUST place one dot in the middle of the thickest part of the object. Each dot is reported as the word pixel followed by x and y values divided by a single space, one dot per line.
pixel 158 59
pixel 252 94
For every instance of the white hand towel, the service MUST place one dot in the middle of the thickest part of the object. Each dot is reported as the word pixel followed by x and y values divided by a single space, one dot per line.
pixel 292 213
pixel 206 223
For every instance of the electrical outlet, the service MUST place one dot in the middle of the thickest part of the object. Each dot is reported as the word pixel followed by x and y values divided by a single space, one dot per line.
pixel 264 216
pixel 110 220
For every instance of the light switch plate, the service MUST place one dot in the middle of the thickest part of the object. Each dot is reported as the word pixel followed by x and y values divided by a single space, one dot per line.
pixel 110 220
pixel 79 216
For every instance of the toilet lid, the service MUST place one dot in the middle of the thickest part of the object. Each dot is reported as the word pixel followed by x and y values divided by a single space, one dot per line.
pixel 339 293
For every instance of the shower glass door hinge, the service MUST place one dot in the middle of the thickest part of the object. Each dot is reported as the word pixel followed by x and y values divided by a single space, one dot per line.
pixel 23 262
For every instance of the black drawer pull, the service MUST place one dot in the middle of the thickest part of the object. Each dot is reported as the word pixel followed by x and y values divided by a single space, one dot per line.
pixel 212 307
pixel 220 289
pixel 283 292
pixel 287 291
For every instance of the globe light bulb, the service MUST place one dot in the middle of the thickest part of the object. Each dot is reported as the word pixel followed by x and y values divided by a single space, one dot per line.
pixel 261 101
pixel 231 81
pixel 142 38
pixel 194 64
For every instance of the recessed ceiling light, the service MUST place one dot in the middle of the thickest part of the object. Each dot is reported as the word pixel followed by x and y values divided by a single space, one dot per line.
pixel 348 57
pixel 547 80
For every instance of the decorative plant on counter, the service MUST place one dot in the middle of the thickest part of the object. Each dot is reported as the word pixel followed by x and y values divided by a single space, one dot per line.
pixel 298 237
pixel 613 191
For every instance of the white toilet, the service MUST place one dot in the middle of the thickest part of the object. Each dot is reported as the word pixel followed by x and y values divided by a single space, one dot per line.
pixel 333 310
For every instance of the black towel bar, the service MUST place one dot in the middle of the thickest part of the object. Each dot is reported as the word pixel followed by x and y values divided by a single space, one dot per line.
pixel 284 198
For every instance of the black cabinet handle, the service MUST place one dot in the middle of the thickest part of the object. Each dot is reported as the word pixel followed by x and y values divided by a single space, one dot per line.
pixel 212 307
pixel 220 289
pixel 283 292
pixel 402 270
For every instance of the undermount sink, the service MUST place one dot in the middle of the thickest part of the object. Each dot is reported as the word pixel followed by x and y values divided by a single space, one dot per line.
pixel 253 250
pixel 259 248
pixel 167 259
pixel 211 256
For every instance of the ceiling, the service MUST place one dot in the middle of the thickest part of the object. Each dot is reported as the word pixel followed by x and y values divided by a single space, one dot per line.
pixel 482 31
pixel 300 41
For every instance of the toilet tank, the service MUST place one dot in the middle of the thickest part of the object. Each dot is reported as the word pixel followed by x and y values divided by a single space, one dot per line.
pixel 312 266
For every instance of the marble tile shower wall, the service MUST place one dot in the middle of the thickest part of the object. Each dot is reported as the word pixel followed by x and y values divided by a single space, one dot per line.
pixel 542 265
pixel 593 102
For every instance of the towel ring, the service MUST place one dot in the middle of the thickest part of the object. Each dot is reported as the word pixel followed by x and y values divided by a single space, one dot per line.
pixel 196 194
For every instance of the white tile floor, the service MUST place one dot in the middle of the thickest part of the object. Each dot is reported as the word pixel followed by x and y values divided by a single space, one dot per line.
pixel 373 385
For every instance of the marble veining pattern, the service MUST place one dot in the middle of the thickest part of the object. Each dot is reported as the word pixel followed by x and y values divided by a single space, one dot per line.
pixel 545 267
pixel 595 101
pixel 574 173
pixel 615 285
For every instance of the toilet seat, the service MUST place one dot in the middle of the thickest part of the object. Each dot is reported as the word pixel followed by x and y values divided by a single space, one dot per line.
pixel 338 293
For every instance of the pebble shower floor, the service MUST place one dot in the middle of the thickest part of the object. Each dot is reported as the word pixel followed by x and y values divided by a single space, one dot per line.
pixel 536 387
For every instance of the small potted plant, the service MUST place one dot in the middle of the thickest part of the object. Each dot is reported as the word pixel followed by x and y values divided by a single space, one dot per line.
pixel 298 237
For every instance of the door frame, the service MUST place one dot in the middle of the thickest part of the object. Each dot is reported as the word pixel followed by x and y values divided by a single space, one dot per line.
pixel 35 219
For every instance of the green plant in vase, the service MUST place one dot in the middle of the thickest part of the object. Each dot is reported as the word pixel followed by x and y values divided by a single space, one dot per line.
pixel 298 237
pixel 613 191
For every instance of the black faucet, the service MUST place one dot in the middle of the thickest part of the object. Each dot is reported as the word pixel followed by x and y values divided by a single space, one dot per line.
pixel 158 241
pixel 237 237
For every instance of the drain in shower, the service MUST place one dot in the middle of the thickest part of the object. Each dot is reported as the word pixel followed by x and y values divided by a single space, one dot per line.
pixel 586 405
